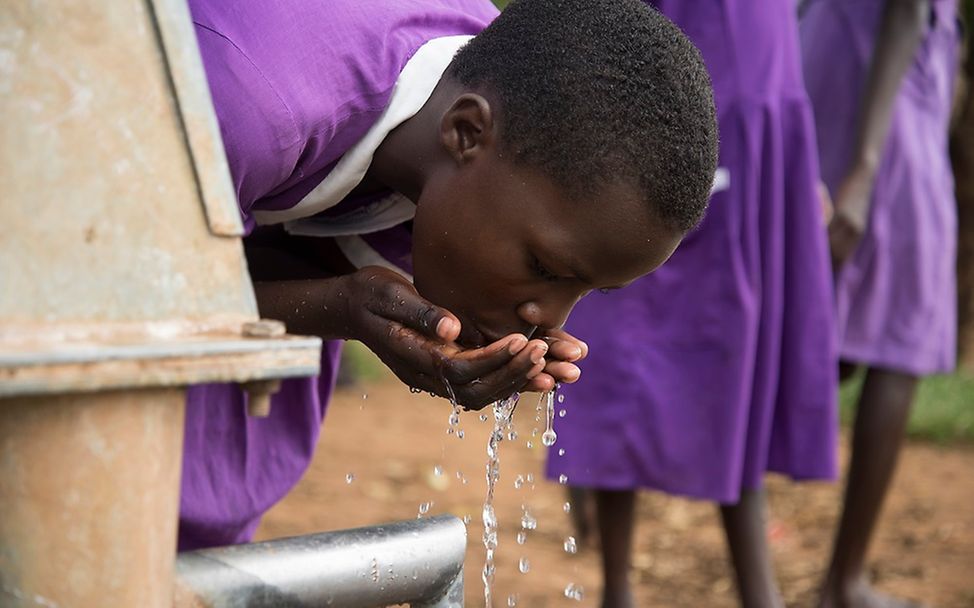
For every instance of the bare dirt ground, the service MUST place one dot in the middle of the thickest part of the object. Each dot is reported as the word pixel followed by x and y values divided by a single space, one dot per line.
pixel 391 441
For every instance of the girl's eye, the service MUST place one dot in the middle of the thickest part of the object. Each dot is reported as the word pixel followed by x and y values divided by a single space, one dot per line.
pixel 541 271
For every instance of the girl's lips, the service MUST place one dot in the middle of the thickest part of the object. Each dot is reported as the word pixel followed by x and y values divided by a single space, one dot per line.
pixel 471 337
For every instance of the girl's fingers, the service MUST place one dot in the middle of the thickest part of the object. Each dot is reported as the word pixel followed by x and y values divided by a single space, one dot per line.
pixel 466 366
pixel 540 384
pixel 565 346
pixel 563 371
pixel 501 383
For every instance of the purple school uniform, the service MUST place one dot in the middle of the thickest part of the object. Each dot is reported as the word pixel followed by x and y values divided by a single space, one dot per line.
pixel 720 366
pixel 295 84
pixel 896 296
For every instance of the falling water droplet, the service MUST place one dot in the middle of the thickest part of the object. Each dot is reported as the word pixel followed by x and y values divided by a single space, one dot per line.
pixel 521 537
pixel 530 445
pixel 460 433
pixel 483 417
pixel 549 436
pixel 561 398
pixel 512 600
pixel 570 546
pixel 528 522
pixel 567 507
pixel 530 478
pixel 523 565
pixel 561 451
pixel 562 412
pixel 512 436
pixel 574 592
pixel 518 482
pixel 466 519
pixel 424 508
pixel 437 470
pixel 349 477
pixel 563 479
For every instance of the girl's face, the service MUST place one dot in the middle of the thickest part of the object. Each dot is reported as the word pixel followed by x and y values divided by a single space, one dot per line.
pixel 506 251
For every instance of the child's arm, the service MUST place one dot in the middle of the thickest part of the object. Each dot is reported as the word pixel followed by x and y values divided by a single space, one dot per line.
pixel 900 33
pixel 415 338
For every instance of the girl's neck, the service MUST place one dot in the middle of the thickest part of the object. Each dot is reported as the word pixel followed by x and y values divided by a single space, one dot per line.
pixel 405 159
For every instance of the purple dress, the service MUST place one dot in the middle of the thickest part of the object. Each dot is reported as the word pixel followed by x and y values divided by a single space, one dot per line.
pixel 720 366
pixel 295 85
pixel 896 296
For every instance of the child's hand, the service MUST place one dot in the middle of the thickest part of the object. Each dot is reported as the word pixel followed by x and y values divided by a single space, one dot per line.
pixel 416 339
pixel 564 350
pixel 850 216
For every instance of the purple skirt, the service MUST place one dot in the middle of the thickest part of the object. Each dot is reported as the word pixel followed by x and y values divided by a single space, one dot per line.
pixel 896 296
pixel 236 467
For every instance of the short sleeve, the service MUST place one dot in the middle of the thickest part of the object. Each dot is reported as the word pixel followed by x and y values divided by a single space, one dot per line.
pixel 259 132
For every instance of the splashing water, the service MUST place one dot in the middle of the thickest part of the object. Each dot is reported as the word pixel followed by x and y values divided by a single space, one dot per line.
pixel 549 437
pixel 503 421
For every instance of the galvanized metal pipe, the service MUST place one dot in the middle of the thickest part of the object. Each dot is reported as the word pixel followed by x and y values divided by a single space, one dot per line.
pixel 419 562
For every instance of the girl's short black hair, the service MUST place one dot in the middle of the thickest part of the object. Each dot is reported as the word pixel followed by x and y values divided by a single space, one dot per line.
pixel 598 90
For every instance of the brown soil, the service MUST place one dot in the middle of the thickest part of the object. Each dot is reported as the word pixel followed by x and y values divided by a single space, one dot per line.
pixel 392 440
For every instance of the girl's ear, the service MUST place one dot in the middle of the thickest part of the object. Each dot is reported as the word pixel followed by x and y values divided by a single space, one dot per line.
pixel 467 127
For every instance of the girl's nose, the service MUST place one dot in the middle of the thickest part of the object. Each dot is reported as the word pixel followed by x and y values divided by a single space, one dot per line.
pixel 549 315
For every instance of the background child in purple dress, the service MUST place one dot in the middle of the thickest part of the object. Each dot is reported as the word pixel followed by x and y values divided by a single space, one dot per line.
pixel 517 152
pixel 880 78
pixel 720 366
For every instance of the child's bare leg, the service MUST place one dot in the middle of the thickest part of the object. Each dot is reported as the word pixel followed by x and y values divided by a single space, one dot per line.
pixel 744 525
pixel 883 411
pixel 582 516
pixel 616 512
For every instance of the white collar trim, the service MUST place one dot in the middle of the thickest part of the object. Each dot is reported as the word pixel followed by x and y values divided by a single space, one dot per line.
pixel 412 90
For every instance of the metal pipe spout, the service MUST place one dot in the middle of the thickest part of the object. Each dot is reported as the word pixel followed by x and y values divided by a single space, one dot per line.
pixel 417 562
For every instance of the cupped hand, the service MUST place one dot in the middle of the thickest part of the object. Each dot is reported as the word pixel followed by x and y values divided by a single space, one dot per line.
pixel 417 341
pixel 564 350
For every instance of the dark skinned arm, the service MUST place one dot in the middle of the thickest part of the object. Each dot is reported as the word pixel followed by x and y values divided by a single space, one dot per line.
pixel 379 307
pixel 900 33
